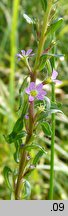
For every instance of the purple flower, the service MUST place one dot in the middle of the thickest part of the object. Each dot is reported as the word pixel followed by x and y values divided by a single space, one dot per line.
pixel 35 91
pixel 24 54
pixel 26 116
pixel 53 77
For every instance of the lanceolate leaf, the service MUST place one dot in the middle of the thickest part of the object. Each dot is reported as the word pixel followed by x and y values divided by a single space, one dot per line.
pixel 42 64
pixel 16 154
pixel 28 19
pixel 22 93
pixel 18 125
pixel 27 189
pixel 44 115
pixel 7 171
pixel 55 111
pixel 47 101
pixel 34 146
pixel 13 136
pixel 53 55
pixel 37 157
pixel 55 26
pixel 44 4
pixel 46 128
pixel 23 85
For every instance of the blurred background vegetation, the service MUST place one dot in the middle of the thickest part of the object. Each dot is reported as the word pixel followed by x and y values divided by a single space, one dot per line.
pixel 13 38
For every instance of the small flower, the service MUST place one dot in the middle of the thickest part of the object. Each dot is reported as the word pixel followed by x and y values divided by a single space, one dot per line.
pixel 53 77
pixel 24 54
pixel 35 91
pixel 41 108
pixel 26 117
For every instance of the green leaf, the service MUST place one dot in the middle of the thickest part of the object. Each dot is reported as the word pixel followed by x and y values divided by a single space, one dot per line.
pixel 7 171
pixel 18 125
pixel 37 157
pixel 16 154
pixel 34 146
pixel 13 136
pixel 47 101
pixel 55 26
pixel 47 113
pixel 28 19
pixel 21 93
pixel 44 4
pixel 25 105
pixel 42 64
pixel 27 189
pixel 55 111
pixel 53 55
pixel 46 128
pixel 56 105
pixel 23 85
pixel 48 66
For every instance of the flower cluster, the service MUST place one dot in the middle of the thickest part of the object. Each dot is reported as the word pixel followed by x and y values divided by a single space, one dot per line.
pixel 35 91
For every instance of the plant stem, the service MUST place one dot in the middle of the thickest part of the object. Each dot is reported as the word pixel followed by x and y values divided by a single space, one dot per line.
pixel 43 34
pixel 52 137
pixel 21 170
pixel 24 153
pixel 31 106
pixel 13 39
pixel 52 147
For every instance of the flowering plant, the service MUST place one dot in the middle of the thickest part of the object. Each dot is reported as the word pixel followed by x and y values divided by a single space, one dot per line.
pixel 35 109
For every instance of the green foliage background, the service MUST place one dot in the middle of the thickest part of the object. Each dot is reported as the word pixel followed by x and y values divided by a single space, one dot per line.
pixel 11 75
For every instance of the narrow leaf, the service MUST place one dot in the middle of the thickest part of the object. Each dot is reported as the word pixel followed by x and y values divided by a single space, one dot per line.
pixel 37 157
pixel 28 19
pixel 7 171
pixel 47 100
pixel 44 4
pixel 34 146
pixel 27 189
pixel 13 136
pixel 16 154
pixel 55 26
pixel 23 85
pixel 55 111
pixel 46 128
pixel 42 64
pixel 18 125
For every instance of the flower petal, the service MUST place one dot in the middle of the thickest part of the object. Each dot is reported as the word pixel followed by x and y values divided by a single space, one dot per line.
pixel 40 97
pixel 31 98
pixel 27 90
pixel 19 59
pixel 23 52
pixel 19 55
pixel 54 75
pixel 58 82
pixel 32 86
pixel 28 52
pixel 39 87
pixel 43 92
pixel 26 116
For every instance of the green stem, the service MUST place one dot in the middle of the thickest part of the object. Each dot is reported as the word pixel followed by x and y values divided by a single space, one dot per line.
pixel 24 153
pixel 52 137
pixel 52 147
pixel 13 40
pixel 31 107
pixel 43 34
pixel 21 170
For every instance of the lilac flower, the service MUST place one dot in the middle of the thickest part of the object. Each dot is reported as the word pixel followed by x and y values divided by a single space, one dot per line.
pixel 35 91
pixel 24 54
pixel 26 116
pixel 53 77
